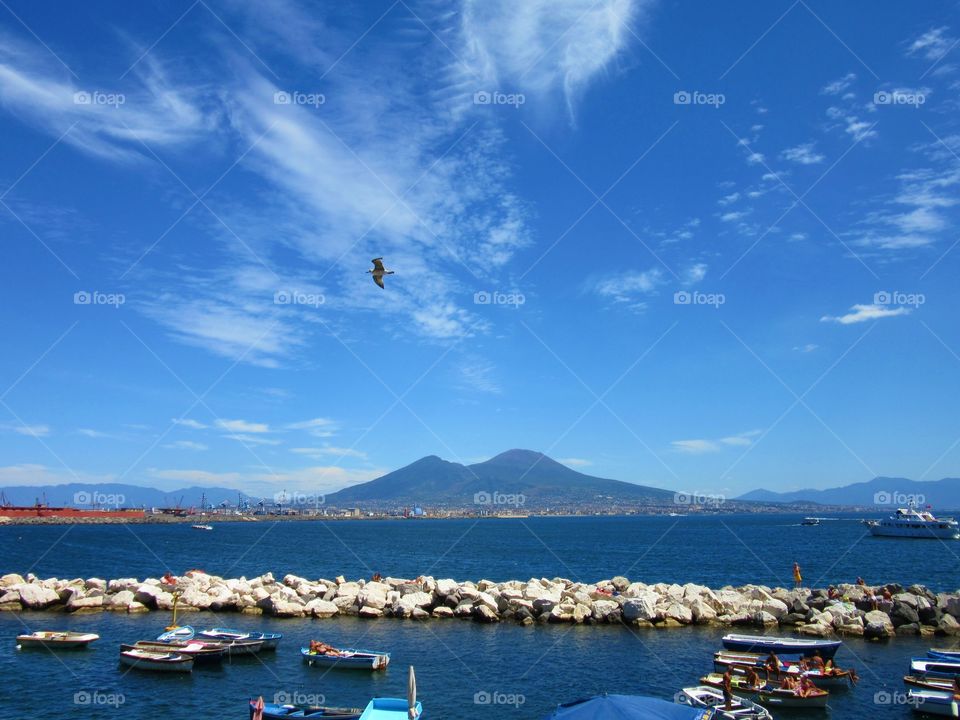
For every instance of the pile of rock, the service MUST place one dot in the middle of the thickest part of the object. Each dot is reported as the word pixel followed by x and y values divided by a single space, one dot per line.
pixel 849 610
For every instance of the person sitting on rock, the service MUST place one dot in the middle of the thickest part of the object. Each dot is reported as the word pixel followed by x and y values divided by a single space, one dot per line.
pixel 860 582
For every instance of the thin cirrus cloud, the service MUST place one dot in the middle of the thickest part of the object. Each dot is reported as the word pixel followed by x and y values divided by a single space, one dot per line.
pixel 700 446
pixel 330 451
pixel 803 154
pixel 865 313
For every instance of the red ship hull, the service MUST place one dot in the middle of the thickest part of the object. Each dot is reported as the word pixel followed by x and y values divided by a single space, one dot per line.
pixel 12 511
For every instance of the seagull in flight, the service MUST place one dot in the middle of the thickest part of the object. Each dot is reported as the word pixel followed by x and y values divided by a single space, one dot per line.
pixel 379 271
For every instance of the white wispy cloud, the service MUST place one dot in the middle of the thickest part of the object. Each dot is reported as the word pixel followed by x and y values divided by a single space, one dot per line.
pixel 803 154
pixel 933 44
pixel 252 439
pixel 29 430
pixel 186 445
pixel 838 86
pixel 702 446
pixel 187 422
pixel 865 313
pixel 574 462
pixel 242 426
pixel 318 427
pixel 329 451
pixel 477 374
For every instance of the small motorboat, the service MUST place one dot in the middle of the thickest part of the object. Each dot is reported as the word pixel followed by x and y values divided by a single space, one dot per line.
pixel 181 633
pixel 346 658
pixel 59 639
pixel 810 521
pixel 930 702
pixel 929 683
pixel 769 694
pixel 934 666
pixel 202 527
pixel 708 697
pixel 199 651
pixel 274 711
pixel 156 661
pixel 829 679
pixel 627 707
pixel 773 643
pixel 944 654
pixel 396 708
pixel 270 640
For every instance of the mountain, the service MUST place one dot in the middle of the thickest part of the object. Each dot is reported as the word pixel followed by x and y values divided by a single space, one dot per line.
pixel 941 494
pixel 116 495
pixel 538 478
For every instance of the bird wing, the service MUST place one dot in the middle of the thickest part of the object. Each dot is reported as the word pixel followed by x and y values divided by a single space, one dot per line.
pixel 378 264
pixel 378 279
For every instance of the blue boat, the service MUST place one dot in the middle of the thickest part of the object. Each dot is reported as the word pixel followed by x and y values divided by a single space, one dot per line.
pixel 275 711
pixel 627 707
pixel 182 633
pixel 778 645
pixel 935 667
pixel 396 708
pixel 348 658
pixel 944 654
pixel 270 640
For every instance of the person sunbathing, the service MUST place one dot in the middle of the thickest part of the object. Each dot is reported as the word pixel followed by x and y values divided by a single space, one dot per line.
pixel 806 688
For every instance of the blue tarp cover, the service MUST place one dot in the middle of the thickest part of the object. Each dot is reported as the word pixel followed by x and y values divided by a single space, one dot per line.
pixel 627 707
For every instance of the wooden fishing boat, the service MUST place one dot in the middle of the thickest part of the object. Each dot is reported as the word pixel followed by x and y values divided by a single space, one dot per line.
pixel 270 640
pixel 929 683
pixel 348 658
pixel 58 639
pixel 708 697
pixel 935 667
pixel 832 679
pixel 199 651
pixel 156 661
pixel 234 648
pixel 776 644
pixel 768 694
pixel 930 702
pixel 275 711
pixel 182 632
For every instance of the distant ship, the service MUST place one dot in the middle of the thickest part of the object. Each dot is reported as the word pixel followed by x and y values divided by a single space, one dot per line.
pixel 810 521
pixel 913 523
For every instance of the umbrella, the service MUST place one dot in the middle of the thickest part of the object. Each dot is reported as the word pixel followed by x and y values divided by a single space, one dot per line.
pixel 626 707
pixel 257 709
pixel 412 693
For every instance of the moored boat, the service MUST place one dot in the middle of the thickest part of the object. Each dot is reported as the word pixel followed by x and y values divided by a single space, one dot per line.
pixel 60 639
pixel 270 640
pixel 275 711
pixel 832 678
pixel 941 684
pixel 156 661
pixel 909 522
pixel 930 702
pixel 347 658
pixel 944 653
pixel 395 708
pixel 934 666
pixel 181 632
pixel 773 643
pixel 199 651
pixel 703 696
pixel 768 694
pixel 627 707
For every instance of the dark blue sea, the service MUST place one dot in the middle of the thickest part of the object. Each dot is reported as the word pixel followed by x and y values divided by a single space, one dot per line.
pixel 523 671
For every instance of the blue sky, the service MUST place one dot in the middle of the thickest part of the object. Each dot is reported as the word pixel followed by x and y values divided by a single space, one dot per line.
pixel 663 242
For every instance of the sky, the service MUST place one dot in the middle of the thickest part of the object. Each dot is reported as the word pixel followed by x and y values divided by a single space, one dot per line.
pixel 690 245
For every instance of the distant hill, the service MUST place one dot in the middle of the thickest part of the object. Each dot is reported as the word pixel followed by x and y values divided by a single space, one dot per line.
pixel 883 491
pixel 116 494
pixel 540 479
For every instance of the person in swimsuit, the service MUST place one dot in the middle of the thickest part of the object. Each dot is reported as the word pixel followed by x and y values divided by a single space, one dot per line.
pixel 728 689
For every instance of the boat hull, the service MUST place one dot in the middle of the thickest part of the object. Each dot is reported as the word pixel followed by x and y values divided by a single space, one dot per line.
pixel 708 697
pixel 390 709
pixel 57 640
pixel 349 660
pixel 206 654
pixel 139 662
pixel 275 711
pixel 769 696
pixel 739 662
pixel 269 641
pixel 933 703
pixel 920 532
pixel 790 646
pixel 935 667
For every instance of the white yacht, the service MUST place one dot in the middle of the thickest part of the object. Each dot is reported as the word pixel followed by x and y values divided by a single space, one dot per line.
pixel 913 523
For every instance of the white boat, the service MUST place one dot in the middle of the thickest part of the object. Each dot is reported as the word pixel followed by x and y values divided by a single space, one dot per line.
pixel 56 639
pixel 909 522
pixel 708 697
pixel 931 702
pixel 202 527
pixel 810 521
pixel 160 661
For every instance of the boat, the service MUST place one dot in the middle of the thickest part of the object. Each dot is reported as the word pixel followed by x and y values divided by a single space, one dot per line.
pixel 274 711
pixel 270 640
pixel 810 521
pixel 934 666
pixel 60 639
pixel 703 696
pixel 199 651
pixel 775 644
pixel 930 702
pixel 909 522
pixel 627 707
pixel 202 527
pixel 832 679
pixel 157 661
pixel 944 654
pixel 347 658
pixel 769 694
pixel 183 632
pixel 929 683
pixel 395 708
